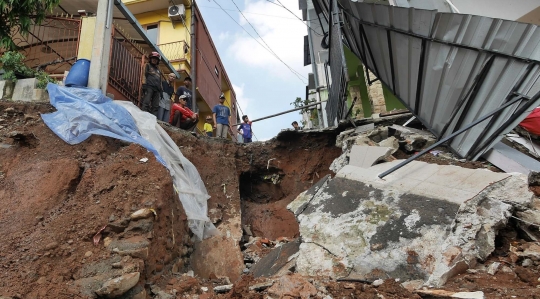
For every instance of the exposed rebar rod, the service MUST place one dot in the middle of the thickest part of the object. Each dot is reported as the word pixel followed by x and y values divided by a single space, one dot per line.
pixel 284 112
pixel 476 122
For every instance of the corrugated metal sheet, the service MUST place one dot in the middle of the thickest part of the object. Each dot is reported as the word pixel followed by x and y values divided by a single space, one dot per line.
pixel 338 72
pixel 449 69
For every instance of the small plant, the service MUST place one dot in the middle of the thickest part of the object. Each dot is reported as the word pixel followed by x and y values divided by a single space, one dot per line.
pixel 12 63
pixel 43 79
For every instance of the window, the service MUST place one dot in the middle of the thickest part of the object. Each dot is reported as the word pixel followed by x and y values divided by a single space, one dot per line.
pixel 152 33
pixel 216 71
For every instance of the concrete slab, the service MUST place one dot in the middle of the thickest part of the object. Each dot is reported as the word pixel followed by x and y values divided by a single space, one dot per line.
pixel 364 128
pixel 24 90
pixel 366 156
pixel 275 260
pixel 445 182
pixel 511 160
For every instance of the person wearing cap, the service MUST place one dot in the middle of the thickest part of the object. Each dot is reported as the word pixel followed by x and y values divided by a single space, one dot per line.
pixel 181 116
pixel 152 88
pixel 222 118
pixel 165 101
pixel 186 91
pixel 208 127
pixel 245 129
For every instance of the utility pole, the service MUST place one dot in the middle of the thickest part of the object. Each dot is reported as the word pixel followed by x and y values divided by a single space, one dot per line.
pixel 101 48
pixel 193 59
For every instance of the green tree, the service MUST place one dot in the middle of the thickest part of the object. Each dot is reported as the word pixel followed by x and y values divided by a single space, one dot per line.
pixel 21 14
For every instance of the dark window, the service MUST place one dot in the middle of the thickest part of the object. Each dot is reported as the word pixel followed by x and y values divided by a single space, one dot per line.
pixel 216 71
pixel 152 33
pixel 307 53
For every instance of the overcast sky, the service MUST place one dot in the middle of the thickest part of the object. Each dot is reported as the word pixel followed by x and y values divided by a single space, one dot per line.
pixel 263 84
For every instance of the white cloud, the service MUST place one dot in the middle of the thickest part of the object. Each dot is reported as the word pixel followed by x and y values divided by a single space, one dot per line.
pixel 241 99
pixel 283 35
pixel 224 36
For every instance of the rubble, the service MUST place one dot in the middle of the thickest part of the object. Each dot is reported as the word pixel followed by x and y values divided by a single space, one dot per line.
pixel 115 287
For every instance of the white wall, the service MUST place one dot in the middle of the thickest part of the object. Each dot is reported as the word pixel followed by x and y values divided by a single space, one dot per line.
pixel 502 9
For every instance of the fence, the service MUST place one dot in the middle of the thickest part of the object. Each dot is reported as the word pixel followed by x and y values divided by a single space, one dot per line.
pixel 126 66
pixel 175 50
pixel 51 46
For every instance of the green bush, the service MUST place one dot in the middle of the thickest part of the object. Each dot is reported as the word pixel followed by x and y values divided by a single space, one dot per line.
pixel 12 63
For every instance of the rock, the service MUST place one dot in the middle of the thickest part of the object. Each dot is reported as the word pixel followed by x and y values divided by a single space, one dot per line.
pixel 450 294
pixel 472 236
pixel 531 251
pixel 492 269
pixel 412 285
pixel 223 288
pixel 413 140
pixel 530 216
pixel 118 286
pixel 142 214
pixel 141 253
pixel 261 286
pixel 88 254
pixel 51 246
pixel 527 263
pixel 377 282
pixel 294 286
pixel 204 289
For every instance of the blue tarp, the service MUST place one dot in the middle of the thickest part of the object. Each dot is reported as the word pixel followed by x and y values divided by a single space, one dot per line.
pixel 85 111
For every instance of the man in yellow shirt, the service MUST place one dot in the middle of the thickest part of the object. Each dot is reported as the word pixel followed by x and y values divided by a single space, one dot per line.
pixel 208 127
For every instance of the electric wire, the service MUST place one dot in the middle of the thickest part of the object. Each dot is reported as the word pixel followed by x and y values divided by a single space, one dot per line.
pixel 283 6
pixel 297 74
pixel 255 30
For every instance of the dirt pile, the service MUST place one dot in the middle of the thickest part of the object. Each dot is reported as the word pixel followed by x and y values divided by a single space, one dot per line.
pixel 57 198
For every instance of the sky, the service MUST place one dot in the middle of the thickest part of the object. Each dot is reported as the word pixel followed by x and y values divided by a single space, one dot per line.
pixel 503 9
pixel 262 83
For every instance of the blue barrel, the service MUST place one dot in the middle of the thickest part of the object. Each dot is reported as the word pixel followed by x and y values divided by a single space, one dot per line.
pixel 78 74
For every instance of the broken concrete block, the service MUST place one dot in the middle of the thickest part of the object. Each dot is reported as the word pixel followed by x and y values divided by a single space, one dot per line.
pixel 442 294
pixel 514 191
pixel 413 140
pixel 24 90
pixel 405 225
pixel 366 156
pixel 472 235
pixel 118 286
pixel 223 288
pixel 261 286
pixel 6 89
pixel 142 213
pixel 294 286
pixel 299 204
pixel 390 142
pixel 493 268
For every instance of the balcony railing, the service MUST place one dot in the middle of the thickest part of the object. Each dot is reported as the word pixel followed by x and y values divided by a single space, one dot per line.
pixel 175 51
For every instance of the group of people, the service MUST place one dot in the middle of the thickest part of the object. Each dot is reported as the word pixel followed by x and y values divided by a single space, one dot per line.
pixel 158 94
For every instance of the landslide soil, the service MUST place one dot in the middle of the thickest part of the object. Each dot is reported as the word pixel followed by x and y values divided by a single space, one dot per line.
pixel 55 197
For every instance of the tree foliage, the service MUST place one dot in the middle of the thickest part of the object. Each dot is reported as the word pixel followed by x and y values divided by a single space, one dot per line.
pixel 21 14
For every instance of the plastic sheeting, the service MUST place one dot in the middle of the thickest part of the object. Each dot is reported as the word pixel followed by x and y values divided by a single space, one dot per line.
pixel 83 112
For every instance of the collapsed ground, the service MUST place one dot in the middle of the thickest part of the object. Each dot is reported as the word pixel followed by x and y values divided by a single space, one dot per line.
pixel 56 197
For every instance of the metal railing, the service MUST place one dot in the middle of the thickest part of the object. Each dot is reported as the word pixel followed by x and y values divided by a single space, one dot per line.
pixel 126 66
pixel 51 46
pixel 175 50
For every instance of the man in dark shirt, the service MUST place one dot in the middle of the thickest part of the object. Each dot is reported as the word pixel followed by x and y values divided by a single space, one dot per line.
pixel 166 98
pixel 186 91
pixel 152 88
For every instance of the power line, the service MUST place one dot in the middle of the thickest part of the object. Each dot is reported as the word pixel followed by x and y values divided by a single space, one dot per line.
pixel 296 17
pixel 268 46
pixel 300 76
pixel 249 12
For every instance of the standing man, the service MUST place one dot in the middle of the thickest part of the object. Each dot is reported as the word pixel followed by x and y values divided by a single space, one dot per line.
pixel 152 88
pixel 185 91
pixel 222 118
pixel 165 101
pixel 245 129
